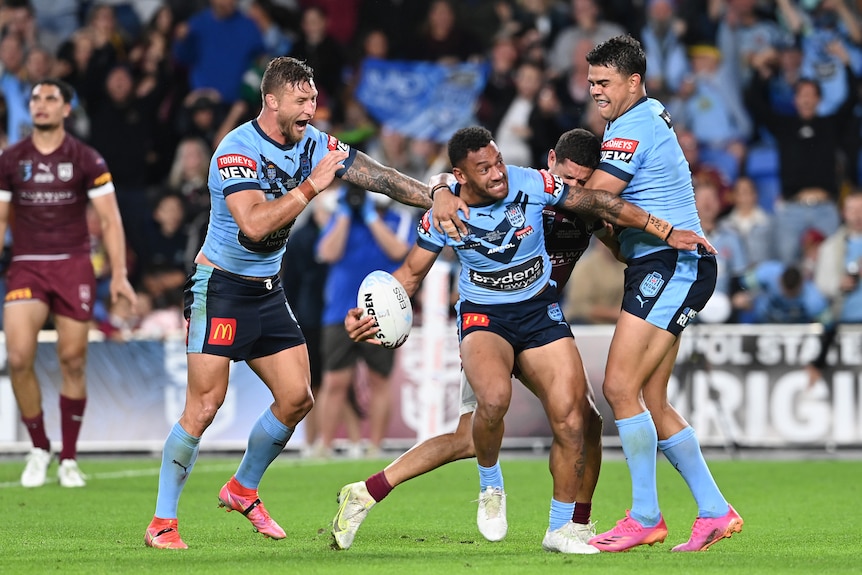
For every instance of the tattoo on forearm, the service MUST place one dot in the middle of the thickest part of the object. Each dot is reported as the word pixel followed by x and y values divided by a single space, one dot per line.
pixel 598 203
pixel 368 174
pixel 661 227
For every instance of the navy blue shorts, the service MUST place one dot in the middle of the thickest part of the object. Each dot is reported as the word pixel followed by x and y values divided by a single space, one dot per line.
pixel 237 318
pixel 667 288
pixel 532 323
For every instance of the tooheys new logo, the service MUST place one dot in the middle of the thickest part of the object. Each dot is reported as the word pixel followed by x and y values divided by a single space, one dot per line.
pixel 619 149
pixel 236 166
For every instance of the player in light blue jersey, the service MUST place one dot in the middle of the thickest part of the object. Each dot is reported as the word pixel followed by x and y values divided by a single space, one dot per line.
pixel 262 176
pixel 509 314
pixel 665 288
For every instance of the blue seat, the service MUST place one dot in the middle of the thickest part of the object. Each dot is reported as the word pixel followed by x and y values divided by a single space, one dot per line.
pixel 723 161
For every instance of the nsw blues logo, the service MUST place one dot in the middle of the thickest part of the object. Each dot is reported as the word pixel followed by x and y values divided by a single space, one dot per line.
pixel 651 285
pixel 555 313
pixel 515 215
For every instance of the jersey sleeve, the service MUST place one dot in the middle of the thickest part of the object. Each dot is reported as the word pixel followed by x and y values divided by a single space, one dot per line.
pixel 555 190
pixel 235 166
pixel 5 178
pixel 326 144
pixel 427 236
pixel 622 156
pixel 98 178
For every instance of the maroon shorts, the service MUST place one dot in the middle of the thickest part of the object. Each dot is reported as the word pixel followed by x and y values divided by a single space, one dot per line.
pixel 68 285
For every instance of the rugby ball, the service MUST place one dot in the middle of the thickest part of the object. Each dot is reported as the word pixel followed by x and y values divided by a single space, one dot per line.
pixel 383 297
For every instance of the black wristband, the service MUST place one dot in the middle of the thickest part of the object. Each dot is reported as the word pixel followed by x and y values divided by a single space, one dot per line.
pixel 648 216
pixel 670 231
pixel 437 187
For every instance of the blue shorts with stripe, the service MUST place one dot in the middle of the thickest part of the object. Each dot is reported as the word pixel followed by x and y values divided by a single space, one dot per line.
pixel 668 288
pixel 236 317
pixel 532 323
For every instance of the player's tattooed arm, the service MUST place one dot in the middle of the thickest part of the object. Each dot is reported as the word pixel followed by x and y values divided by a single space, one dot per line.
pixel 368 174
pixel 617 211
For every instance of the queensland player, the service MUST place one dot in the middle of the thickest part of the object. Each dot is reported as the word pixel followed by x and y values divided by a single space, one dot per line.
pixel 48 179
pixel 665 288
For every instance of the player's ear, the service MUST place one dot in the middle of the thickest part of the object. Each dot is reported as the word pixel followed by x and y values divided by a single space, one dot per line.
pixel 459 175
pixel 271 101
pixel 635 81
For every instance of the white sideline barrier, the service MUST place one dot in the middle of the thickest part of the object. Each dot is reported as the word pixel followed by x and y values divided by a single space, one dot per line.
pixel 745 386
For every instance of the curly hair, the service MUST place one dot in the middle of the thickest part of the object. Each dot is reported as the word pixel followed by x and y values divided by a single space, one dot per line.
pixel 621 52
pixel 467 140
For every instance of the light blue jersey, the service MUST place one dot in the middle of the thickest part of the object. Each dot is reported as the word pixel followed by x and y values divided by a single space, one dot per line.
pixel 640 147
pixel 503 257
pixel 248 159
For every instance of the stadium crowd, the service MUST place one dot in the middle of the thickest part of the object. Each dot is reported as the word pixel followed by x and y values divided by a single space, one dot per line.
pixel 764 95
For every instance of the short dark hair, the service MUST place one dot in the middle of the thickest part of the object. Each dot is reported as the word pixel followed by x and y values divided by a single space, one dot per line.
pixel 467 140
pixel 810 82
pixel 65 89
pixel 791 279
pixel 285 71
pixel 621 52
pixel 579 146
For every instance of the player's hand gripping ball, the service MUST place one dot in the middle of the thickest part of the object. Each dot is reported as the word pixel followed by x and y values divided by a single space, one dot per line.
pixel 383 297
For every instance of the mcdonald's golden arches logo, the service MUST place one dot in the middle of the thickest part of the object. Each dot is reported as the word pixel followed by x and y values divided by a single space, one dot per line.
pixel 222 331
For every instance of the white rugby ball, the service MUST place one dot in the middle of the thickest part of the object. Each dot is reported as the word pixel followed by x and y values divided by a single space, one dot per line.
pixel 382 296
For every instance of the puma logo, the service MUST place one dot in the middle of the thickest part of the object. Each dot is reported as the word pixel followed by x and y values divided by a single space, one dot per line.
pixel 642 301
pixel 184 467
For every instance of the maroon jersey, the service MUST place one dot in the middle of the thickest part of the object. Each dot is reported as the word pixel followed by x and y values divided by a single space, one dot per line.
pixel 567 237
pixel 49 195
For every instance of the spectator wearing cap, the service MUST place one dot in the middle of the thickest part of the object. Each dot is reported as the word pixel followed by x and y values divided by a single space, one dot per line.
pixel 709 105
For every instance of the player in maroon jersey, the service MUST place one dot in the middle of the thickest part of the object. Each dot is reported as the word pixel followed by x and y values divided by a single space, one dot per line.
pixel 567 236
pixel 46 182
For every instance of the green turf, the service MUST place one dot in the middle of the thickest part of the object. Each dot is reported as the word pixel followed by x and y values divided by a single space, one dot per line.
pixel 800 517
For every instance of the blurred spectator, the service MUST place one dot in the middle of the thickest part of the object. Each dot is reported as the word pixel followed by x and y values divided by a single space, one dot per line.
pixel 594 294
pixel 752 223
pixel 588 23
pixel 745 36
pixel 830 31
pixel 667 62
pixel 324 54
pixel 363 235
pixel 703 171
pixel 56 22
pixel 838 265
pixel 38 65
pixel 546 17
pixel 202 114
pixel 188 176
pixel 779 293
pixel 18 19
pixel 572 90
pixel 499 87
pixel 442 38
pixel 700 19
pixel 808 156
pixel 711 107
pixel 304 280
pixel 217 46
pixel 108 34
pixel 121 129
pixel 731 257
pixel 161 250
pixel 267 15
pixel 13 82
pixel 397 19
pixel 342 19
pixel 513 135
pixel 810 247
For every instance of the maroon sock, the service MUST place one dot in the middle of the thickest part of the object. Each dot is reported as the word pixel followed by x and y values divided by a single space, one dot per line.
pixel 378 486
pixel 71 416
pixel 36 427
pixel 582 512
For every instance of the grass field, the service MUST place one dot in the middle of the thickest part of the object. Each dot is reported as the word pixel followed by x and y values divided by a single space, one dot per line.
pixel 800 517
